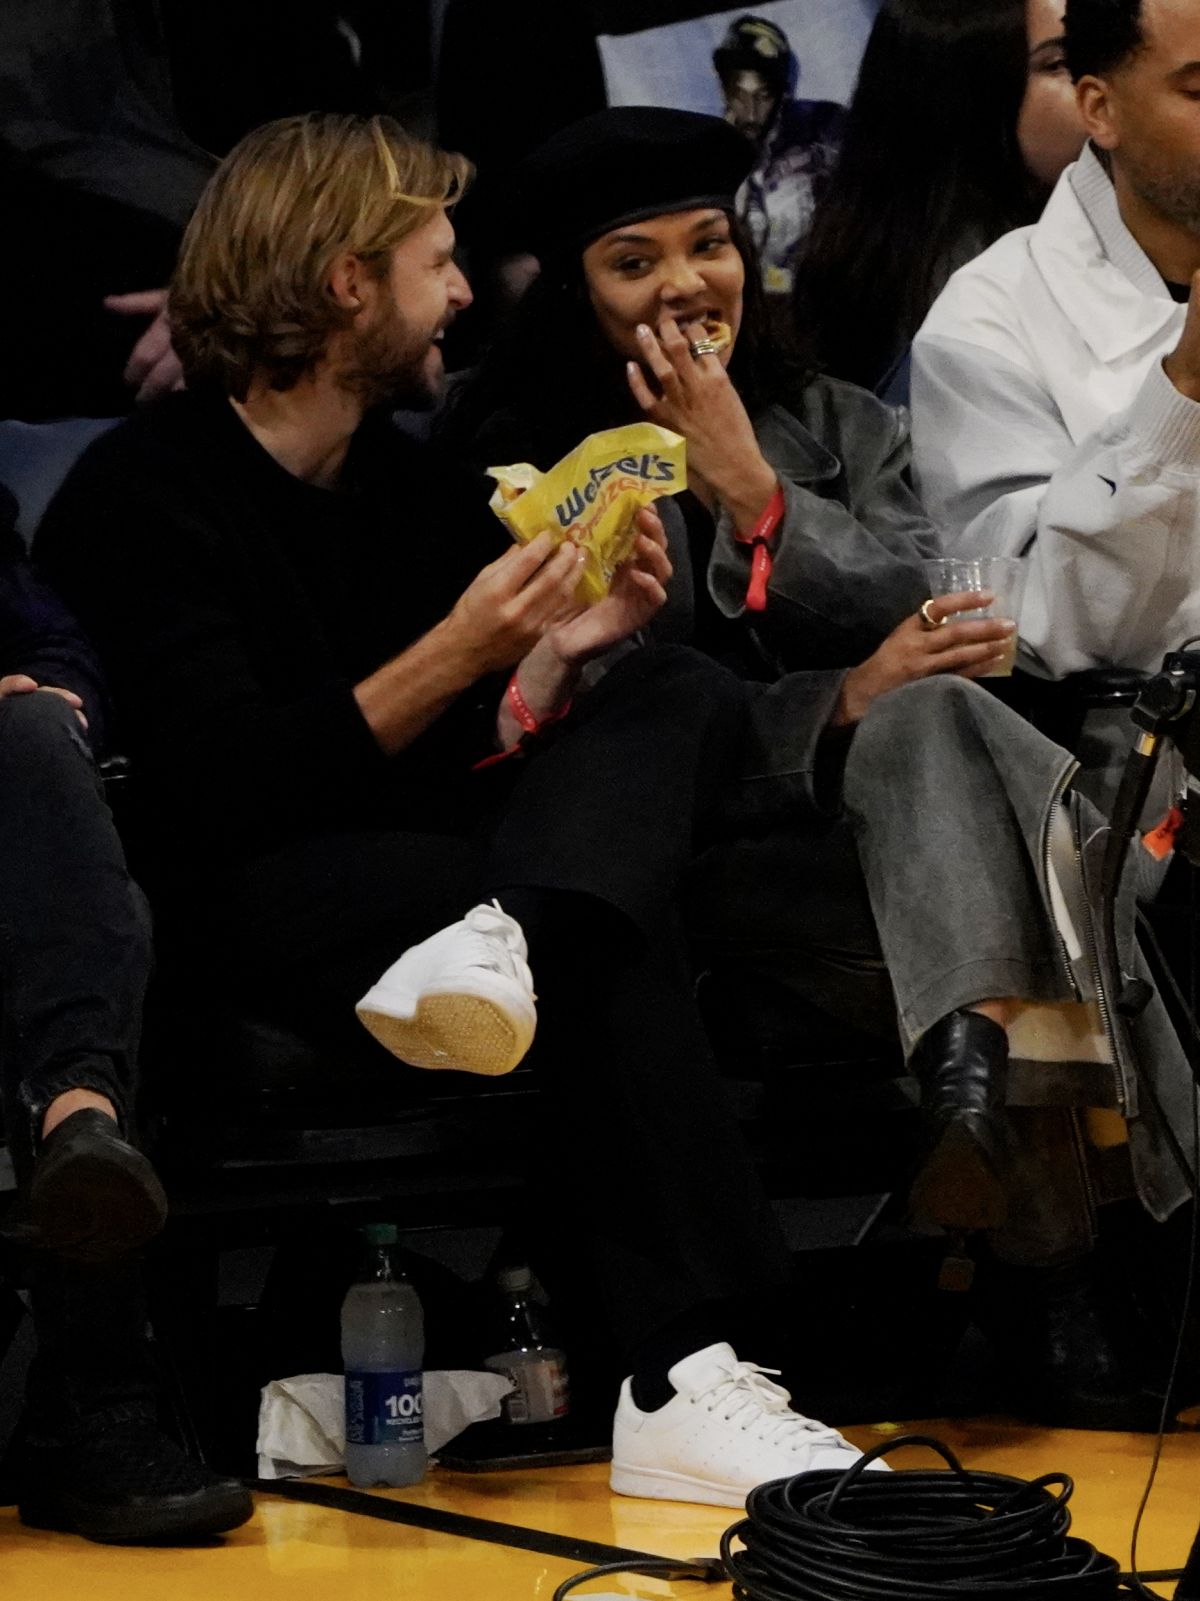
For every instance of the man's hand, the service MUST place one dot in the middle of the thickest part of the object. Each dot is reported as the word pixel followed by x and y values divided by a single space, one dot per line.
pixel 496 622
pixel 638 591
pixel 969 649
pixel 153 367
pixel 22 684
pixel 513 602
pixel 1182 366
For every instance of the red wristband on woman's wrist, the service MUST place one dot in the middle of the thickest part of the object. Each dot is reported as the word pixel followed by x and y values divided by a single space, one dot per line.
pixel 761 560
pixel 520 709
pixel 529 723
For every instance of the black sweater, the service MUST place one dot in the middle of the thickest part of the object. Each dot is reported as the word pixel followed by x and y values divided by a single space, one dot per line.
pixel 235 606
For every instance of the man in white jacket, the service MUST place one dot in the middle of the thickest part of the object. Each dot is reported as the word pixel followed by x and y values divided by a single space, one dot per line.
pixel 1056 382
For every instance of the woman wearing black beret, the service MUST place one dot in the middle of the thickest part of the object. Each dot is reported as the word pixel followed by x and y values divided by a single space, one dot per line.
pixel 888 807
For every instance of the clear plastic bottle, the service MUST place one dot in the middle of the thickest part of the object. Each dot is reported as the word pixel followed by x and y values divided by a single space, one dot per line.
pixel 383 1346
pixel 528 1356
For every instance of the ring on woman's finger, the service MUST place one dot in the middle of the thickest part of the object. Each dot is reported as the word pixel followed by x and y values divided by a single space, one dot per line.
pixel 928 621
pixel 704 347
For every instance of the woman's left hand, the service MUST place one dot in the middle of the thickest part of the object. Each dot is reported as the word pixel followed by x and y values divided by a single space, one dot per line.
pixel 972 648
pixel 638 592
pixel 699 401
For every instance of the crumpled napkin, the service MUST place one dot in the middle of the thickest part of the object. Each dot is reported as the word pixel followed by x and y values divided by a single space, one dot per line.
pixel 302 1420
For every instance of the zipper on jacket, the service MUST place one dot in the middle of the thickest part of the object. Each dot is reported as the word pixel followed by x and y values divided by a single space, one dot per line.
pixel 1050 878
pixel 1082 922
pixel 1098 982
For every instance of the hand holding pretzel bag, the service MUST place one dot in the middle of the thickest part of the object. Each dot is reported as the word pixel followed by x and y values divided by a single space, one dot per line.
pixel 592 497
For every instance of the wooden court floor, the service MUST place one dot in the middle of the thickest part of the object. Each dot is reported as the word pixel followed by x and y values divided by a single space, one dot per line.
pixel 291 1552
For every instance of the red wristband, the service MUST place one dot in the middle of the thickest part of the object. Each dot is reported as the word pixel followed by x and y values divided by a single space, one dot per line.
pixel 520 709
pixel 761 560
pixel 528 722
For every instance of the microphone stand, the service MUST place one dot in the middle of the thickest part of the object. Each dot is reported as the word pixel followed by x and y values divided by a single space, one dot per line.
pixel 1166 707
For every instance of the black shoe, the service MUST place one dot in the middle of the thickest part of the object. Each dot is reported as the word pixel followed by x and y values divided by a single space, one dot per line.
pixel 128 1484
pixel 1055 1334
pixel 92 1197
pixel 962 1064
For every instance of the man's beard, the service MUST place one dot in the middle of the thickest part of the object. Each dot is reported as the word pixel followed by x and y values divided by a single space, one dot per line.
pixel 1174 194
pixel 388 368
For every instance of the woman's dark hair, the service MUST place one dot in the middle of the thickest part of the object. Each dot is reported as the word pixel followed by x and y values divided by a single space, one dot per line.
pixel 1101 34
pixel 551 371
pixel 930 173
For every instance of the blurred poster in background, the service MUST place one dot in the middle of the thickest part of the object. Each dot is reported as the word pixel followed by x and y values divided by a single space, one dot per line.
pixel 781 72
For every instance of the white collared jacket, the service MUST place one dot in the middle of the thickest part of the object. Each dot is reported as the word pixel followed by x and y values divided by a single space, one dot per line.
pixel 1045 427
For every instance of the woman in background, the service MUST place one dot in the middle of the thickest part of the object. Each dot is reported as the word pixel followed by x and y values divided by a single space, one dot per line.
pixel 962 121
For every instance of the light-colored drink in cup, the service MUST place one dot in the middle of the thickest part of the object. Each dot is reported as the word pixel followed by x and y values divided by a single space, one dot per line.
pixel 1004 576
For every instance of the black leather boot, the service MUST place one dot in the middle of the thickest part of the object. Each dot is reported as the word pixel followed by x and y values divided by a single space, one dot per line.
pixel 1063 1347
pixel 961 1064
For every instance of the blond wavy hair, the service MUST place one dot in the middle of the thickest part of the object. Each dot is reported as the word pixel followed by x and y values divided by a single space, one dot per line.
pixel 251 292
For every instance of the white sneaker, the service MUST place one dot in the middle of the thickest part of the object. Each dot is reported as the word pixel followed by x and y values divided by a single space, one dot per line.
pixel 727 1429
pixel 462 999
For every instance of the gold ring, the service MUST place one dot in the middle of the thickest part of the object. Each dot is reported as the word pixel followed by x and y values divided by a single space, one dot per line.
pixel 929 623
pixel 705 347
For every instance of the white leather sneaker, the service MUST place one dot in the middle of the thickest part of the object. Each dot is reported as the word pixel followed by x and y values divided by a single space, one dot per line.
pixel 462 999
pixel 727 1429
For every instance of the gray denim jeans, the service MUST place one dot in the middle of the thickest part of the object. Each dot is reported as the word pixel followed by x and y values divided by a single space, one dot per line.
pixel 925 896
pixel 949 794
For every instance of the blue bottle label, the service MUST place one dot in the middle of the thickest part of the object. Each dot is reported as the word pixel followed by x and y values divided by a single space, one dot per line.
pixel 384 1409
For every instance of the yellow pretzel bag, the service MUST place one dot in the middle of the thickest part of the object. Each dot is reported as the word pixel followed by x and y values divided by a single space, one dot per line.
pixel 592 495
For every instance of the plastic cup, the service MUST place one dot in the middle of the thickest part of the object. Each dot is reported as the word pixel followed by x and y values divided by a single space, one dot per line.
pixel 1004 576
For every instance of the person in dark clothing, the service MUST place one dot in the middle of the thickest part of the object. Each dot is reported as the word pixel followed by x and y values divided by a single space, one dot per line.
pixel 308 644
pixel 95 168
pixel 74 960
pixel 75 941
pixel 65 350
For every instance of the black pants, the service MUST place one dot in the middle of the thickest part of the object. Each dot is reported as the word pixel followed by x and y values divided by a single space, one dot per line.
pixel 588 847
pixel 74 960
pixel 74 934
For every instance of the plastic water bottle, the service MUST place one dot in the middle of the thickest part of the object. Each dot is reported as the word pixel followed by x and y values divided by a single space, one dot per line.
pixel 528 1355
pixel 383 1346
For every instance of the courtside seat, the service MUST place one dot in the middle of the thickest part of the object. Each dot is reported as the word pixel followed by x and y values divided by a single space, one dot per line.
pixel 282 1121
pixel 280 1118
pixel 1061 707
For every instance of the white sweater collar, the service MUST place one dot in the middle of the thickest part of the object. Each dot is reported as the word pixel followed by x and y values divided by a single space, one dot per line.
pixel 1101 278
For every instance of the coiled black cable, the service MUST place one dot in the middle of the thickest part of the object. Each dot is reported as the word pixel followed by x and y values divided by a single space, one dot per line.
pixel 858 1536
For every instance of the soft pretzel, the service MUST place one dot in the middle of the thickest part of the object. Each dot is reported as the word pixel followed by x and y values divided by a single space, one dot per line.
pixel 720 333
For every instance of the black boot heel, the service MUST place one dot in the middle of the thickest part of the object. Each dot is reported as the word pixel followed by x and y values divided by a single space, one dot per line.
pixel 961 1064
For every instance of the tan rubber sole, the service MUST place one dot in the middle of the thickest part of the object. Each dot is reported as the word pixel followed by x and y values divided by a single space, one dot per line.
pixel 463 1033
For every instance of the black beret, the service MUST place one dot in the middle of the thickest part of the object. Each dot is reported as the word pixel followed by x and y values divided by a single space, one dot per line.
pixel 623 164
